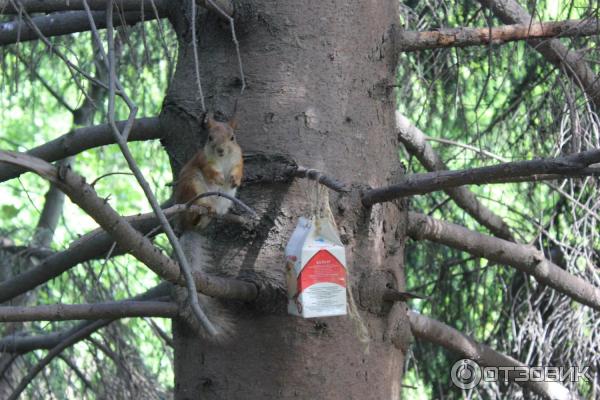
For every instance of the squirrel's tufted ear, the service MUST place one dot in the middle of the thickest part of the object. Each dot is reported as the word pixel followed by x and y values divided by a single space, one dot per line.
pixel 233 122
pixel 209 120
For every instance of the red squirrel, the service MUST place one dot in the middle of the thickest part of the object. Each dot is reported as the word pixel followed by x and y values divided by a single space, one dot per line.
pixel 217 167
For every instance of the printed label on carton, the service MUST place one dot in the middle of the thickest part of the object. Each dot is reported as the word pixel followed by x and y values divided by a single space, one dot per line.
pixel 316 270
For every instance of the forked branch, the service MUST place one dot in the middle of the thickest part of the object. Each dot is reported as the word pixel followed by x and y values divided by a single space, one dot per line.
pixel 416 144
pixel 124 234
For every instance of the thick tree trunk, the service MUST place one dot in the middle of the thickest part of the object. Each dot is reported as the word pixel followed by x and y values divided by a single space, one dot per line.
pixel 320 78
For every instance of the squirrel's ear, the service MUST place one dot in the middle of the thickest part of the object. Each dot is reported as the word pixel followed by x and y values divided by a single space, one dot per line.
pixel 233 122
pixel 209 120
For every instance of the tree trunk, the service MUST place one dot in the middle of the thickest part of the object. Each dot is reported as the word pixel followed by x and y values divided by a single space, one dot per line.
pixel 319 78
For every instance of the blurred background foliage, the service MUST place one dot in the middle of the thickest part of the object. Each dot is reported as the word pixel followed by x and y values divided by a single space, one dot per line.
pixel 504 100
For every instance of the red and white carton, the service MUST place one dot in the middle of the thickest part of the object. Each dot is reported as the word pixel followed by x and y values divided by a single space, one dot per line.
pixel 316 269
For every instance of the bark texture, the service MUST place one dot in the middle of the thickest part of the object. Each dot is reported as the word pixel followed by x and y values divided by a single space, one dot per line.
pixel 319 78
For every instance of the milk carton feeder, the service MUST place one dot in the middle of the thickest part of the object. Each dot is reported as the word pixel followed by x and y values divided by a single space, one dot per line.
pixel 316 269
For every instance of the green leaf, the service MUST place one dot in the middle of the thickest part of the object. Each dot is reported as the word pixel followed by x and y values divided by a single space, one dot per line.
pixel 9 211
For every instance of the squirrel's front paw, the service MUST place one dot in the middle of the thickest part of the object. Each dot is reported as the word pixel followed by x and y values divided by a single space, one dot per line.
pixel 220 179
pixel 235 181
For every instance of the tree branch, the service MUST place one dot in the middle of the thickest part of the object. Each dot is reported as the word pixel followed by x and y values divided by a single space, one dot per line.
pixel 125 235
pixel 506 172
pixel 316 175
pixel 441 334
pixel 23 344
pixel 49 6
pixel 63 24
pixel 82 139
pixel 110 310
pixel 463 37
pixel 415 142
pixel 522 257
pixel 511 12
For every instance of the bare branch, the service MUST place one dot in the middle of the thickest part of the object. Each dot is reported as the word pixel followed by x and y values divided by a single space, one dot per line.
pixel 415 142
pixel 511 12
pixel 220 7
pixel 395 295
pixel 582 173
pixel 433 181
pixel 82 139
pixel 522 257
pixel 111 310
pixel 124 234
pixel 23 344
pixel 441 334
pixel 316 175
pixel 62 24
pixel 463 37
pixel 49 6
pixel 468 147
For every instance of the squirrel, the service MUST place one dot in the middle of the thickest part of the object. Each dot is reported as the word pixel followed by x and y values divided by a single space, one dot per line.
pixel 216 167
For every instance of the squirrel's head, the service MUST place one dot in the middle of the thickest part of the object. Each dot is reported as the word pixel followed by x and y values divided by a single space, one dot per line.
pixel 220 136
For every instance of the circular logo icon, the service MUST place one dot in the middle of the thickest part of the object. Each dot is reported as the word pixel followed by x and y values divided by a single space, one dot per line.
pixel 465 374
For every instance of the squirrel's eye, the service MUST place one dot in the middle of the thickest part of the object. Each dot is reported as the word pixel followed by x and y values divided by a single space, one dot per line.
pixel 232 137
pixel 210 138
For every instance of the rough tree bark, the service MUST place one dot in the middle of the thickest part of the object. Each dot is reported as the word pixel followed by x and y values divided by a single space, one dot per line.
pixel 320 78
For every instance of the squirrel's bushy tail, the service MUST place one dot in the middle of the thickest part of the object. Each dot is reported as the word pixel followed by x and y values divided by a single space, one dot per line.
pixel 197 251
